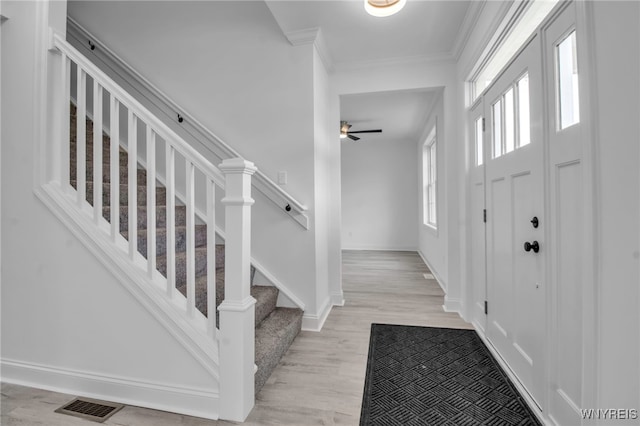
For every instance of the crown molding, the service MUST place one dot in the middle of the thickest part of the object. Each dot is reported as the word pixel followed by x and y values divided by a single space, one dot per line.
pixel 312 36
pixel 445 58
pixel 301 37
pixel 495 33
pixel 467 27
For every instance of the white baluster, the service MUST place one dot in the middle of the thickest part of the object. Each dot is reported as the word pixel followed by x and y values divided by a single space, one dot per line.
pixel 65 141
pixel 151 201
pixel 170 217
pixel 114 154
pixel 211 258
pixel 237 311
pixel 190 239
pixel 132 145
pixel 81 137
pixel 97 151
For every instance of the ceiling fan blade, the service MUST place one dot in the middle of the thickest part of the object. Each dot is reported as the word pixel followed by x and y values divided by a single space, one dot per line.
pixel 353 138
pixel 367 131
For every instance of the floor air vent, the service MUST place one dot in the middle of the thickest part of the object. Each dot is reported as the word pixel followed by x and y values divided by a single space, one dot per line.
pixel 90 409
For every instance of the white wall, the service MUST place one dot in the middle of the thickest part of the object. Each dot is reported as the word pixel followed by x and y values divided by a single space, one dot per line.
pixel 229 66
pixel 67 323
pixel 324 135
pixel 379 195
pixel 433 243
pixel 421 75
pixel 617 50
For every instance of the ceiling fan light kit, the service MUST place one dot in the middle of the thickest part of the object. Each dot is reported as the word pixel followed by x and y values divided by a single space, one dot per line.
pixel 383 8
pixel 345 133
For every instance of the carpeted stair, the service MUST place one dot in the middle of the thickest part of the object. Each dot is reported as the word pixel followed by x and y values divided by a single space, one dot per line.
pixel 276 327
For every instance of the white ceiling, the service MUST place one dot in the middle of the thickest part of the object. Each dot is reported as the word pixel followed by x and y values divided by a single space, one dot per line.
pixel 400 114
pixel 424 28
pixel 429 29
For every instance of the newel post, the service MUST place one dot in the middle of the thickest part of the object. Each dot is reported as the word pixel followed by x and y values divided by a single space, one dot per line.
pixel 237 311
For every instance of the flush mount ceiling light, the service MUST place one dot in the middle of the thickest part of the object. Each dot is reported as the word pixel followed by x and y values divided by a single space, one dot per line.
pixel 382 8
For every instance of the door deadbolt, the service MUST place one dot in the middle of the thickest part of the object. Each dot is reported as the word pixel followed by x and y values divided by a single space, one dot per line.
pixel 535 222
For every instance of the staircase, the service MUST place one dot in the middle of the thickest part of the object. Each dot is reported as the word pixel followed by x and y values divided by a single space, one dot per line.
pixel 276 327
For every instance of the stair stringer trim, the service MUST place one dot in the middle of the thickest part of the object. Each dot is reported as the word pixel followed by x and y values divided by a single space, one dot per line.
pixel 201 347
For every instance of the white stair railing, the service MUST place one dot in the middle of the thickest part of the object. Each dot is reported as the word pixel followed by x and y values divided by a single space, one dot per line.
pixel 235 339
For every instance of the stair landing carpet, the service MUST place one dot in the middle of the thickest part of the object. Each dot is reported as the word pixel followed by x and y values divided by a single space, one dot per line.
pixel 436 376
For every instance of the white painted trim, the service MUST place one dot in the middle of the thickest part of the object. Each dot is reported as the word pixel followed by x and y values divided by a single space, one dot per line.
pixel 337 298
pixel 378 248
pixel 439 280
pixel 134 279
pixel 505 18
pixel 191 129
pixel 452 305
pixel 158 396
pixel 593 207
pixel 40 92
pixel 302 37
pixel 312 36
pixel 514 380
pixel 315 322
pixel 467 27
pixel 395 62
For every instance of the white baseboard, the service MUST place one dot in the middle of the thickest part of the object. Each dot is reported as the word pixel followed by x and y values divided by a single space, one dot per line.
pixel 452 305
pixel 188 401
pixel 337 298
pixel 438 278
pixel 378 248
pixel 315 322
pixel 533 406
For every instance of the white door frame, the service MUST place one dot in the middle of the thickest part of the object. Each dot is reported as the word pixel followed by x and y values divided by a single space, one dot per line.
pixel 589 252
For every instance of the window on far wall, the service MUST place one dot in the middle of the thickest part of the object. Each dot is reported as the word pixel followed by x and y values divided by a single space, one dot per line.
pixel 430 178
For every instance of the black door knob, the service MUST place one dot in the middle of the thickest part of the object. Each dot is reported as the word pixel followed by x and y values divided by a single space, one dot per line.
pixel 532 246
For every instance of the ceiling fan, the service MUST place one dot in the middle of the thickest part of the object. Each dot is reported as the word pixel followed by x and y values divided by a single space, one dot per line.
pixel 345 133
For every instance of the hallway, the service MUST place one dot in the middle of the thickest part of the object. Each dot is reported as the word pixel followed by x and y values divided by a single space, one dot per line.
pixel 321 378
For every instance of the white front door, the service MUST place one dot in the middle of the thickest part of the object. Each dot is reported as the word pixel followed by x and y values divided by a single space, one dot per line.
pixel 515 218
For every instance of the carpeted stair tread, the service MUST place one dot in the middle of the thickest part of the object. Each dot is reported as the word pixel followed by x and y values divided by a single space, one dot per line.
pixel 106 156
pixel 161 193
pixel 266 299
pixel 274 335
pixel 200 235
pixel 161 216
pixel 265 296
pixel 201 292
pixel 181 264
pixel 106 174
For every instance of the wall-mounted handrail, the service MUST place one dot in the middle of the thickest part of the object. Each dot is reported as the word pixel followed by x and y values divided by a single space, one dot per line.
pixel 280 197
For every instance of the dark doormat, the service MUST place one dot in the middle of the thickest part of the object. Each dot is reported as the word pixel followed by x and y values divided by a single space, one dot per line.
pixel 436 376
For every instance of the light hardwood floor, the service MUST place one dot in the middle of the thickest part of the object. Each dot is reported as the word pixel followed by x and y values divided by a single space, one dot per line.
pixel 321 378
